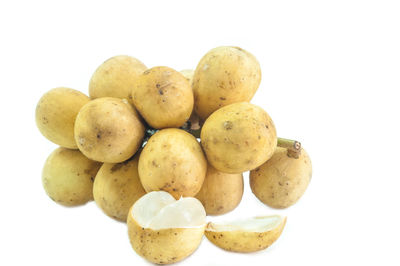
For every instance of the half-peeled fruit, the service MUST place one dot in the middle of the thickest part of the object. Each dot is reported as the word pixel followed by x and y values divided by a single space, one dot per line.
pixel 164 230
pixel 246 235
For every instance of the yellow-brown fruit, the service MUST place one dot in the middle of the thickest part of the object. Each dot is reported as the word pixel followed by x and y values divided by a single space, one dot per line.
pixel 225 75
pixel 221 192
pixel 108 130
pixel 117 187
pixel 68 177
pixel 282 180
pixel 56 113
pixel 173 161
pixel 163 97
pixel 238 137
pixel 115 77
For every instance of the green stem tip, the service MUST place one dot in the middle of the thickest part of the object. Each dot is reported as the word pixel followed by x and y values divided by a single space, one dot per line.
pixel 293 147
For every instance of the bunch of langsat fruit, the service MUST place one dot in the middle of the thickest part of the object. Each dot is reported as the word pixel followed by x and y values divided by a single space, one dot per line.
pixel 184 138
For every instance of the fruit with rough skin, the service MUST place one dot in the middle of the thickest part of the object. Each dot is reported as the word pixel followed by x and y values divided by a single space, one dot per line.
pixel 238 137
pixel 108 130
pixel 68 177
pixel 56 113
pixel 282 180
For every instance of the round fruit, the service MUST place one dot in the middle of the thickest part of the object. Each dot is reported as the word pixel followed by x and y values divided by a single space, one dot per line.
pixel 163 97
pixel 68 177
pixel 117 187
pixel 56 113
pixel 108 130
pixel 225 75
pixel 173 161
pixel 238 137
pixel 163 230
pixel 282 180
pixel 221 192
pixel 115 77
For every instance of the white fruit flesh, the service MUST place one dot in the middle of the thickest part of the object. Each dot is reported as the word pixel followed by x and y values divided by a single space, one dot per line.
pixel 159 210
pixel 254 224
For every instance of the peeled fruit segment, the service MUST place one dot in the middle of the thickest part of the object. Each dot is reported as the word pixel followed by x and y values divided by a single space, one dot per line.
pixel 247 235
pixel 164 230
pixel 149 206
pixel 186 212
pixel 160 210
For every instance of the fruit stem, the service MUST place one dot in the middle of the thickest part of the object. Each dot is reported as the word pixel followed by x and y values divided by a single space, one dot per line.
pixel 188 127
pixel 195 132
pixel 191 128
pixel 147 134
pixel 293 147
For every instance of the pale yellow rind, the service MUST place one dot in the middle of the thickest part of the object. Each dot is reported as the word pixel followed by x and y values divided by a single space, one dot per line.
pixel 282 180
pixel 56 113
pixel 163 246
pixel 238 137
pixel 225 75
pixel 117 187
pixel 115 77
pixel 108 130
pixel 163 97
pixel 244 241
pixel 172 161
pixel 221 192
pixel 68 177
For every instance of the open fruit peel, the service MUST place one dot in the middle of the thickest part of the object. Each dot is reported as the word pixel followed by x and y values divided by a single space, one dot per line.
pixel 164 230
pixel 246 235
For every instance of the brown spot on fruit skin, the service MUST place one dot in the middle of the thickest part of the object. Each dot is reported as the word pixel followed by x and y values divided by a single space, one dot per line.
pixel 228 125
pixel 116 167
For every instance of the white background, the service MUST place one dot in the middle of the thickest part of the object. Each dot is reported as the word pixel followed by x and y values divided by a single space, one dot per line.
pixel 331 77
